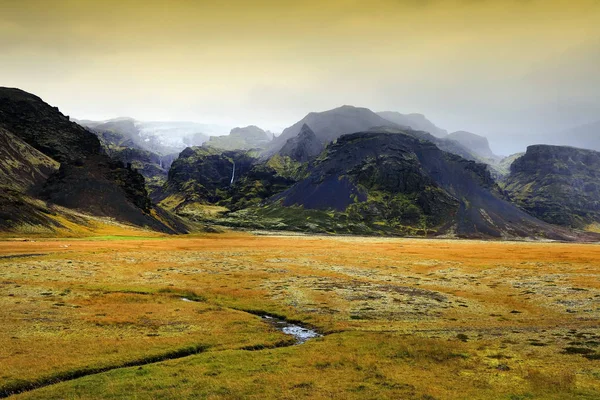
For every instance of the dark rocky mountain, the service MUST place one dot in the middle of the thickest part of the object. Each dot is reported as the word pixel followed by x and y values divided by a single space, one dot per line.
pixel 477 144
pixel 303 147
pixel 250 137
pixel 204 176
pixel 329 125
pixel 88 179
pixel 417 122
pixel 44 127
pixel 396 183
pixel 558 184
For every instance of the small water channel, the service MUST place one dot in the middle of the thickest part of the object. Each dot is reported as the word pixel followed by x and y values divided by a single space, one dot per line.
pixel 300 333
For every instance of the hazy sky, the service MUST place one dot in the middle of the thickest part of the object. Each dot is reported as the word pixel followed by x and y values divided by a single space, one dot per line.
pixel 502 68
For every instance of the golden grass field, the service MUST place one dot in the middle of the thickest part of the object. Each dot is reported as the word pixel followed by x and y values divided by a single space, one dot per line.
pixel 401 318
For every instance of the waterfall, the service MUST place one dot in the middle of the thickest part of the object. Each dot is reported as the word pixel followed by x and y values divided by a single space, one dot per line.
pixel 232 174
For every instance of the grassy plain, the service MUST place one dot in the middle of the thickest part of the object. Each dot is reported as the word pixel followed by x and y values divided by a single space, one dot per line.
pixel 401 318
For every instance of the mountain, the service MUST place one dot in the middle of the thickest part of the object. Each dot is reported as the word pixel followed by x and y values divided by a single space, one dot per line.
pixel 398 184
pixel 558 184
pixel 416 122
pixel 250 137
pixel 44 127
pixel 477 144
pixel 329 125
pixel 87 180
pixel 122 140
pixel 372 182
pixel 303 147
pixel 203 177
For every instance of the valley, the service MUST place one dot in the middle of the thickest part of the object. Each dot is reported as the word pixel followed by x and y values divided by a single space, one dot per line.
pixel 398 318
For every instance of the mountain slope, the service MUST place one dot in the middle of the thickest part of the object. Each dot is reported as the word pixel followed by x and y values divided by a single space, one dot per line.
pixel 558 184
pixel 416 122
pixel 478 144
pixel 44 127
pixel 303 147
pixel 400 181
pixel 329 125
pixel 87 180
pixel 22 167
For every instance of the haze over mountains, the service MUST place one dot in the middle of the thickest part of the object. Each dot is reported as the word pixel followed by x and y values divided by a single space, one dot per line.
pixel 345 170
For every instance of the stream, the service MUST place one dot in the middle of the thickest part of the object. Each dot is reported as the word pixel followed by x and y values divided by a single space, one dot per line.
pixel 300 333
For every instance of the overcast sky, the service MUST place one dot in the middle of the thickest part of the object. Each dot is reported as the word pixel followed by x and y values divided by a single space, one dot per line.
pixel 502 68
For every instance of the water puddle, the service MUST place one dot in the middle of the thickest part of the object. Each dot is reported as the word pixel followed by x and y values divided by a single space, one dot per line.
pixel 300 333
pixel 186 299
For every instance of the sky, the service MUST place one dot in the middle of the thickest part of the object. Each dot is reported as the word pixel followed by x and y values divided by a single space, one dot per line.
pixel 511 70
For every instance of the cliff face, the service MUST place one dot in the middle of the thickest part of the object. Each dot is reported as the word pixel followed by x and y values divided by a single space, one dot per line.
pixel 558 184
pixel 205 174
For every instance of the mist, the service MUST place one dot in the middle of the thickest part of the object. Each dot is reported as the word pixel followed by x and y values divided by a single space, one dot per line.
pixel 517 72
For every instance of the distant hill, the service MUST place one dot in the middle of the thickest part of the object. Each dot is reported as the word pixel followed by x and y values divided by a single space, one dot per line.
pixel 329 125
pixel 250 137
pixel 417 122
pixel 477 144
pixel 87 180
pixel 558 184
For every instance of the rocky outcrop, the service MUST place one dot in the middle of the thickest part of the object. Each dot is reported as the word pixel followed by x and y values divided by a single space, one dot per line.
pixel 205 174
pixel 303 147
pixel 558 184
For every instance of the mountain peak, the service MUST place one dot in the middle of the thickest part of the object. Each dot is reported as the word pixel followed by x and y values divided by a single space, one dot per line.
pixel 417 122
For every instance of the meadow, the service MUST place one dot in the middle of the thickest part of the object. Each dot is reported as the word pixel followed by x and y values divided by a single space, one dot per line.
pixel 88 318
